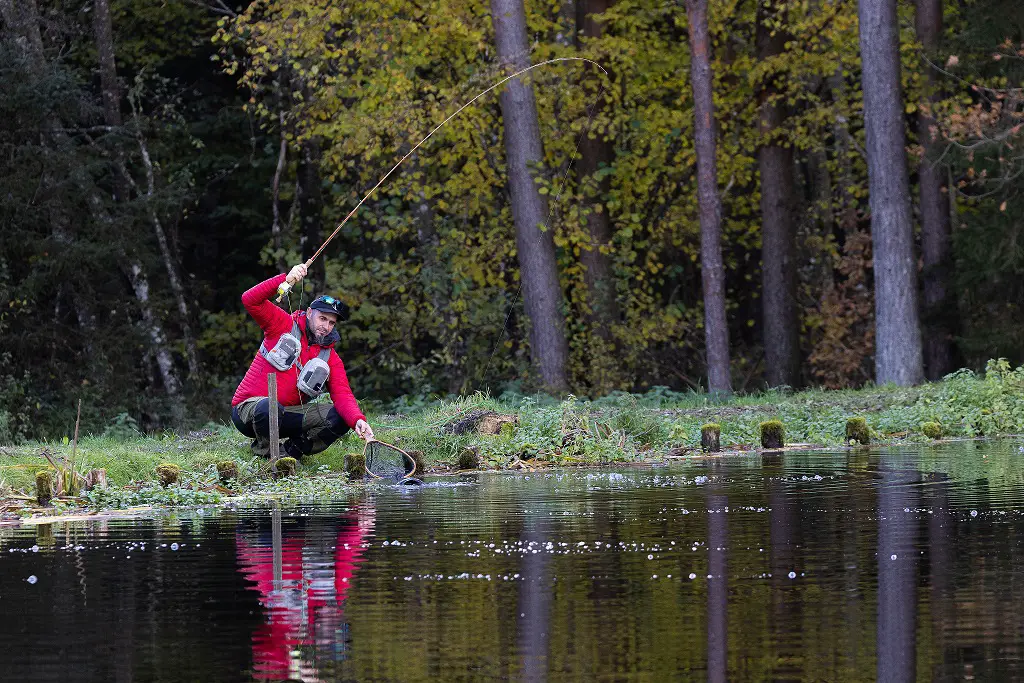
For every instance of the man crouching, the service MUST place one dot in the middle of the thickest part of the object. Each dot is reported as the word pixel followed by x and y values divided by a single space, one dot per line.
pixel 299 349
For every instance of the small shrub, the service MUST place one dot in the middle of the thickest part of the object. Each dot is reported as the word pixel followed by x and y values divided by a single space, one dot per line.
pixel 933 430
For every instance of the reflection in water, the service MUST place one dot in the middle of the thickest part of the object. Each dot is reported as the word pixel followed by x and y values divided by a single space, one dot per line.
pixel 897 572
pixel 573 575
pixel 302 577
pixel 718 587
pixel 535 595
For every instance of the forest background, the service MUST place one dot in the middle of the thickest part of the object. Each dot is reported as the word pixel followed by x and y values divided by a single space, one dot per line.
pixel 160 158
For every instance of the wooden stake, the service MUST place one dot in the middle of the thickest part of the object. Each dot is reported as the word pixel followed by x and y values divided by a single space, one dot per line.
pixel 72 479
pixel 275 437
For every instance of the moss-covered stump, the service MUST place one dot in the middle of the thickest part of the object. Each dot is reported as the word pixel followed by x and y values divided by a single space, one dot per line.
pixel 44 486
pixel 286 467
pixel 355 466
pixel 857 431
pixel 933 430
pixel 168 473
pixel 469 459
pixel 417 457
pixel 479 420
pixel 711 438
pixel 227 470
pixel 773 434
pixel 496 423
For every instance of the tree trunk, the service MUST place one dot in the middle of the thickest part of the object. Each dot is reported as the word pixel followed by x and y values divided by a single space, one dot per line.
pixel 716 331
pixel 596 153
pixel 939 351
pixel 535 244
pixel 311 209
pixel 897 332
pixel 104 33
pixel 152 327
pixel 778 260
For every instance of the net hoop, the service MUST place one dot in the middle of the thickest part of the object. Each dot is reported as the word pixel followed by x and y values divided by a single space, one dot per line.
pixel 410 461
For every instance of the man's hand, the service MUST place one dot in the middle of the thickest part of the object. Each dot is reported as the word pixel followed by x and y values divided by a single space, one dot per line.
pixel 364 431
pixel 296 274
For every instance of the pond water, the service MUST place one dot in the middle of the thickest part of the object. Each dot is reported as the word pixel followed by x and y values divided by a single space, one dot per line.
pixel 895 565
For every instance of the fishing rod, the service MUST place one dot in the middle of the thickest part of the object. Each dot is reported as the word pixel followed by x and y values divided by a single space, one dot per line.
pixel 286 286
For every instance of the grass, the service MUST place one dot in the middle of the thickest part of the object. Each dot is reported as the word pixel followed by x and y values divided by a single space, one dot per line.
pixel 615 428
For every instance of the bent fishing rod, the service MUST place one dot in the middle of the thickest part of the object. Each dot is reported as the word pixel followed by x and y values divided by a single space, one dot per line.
pixel 286 286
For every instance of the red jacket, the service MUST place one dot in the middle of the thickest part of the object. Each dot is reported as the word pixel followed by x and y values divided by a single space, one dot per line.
pixel 274 322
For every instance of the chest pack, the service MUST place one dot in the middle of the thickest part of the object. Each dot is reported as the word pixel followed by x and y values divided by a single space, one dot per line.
pixel 313 375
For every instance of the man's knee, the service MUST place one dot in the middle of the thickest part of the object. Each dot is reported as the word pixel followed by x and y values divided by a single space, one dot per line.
pixel 261 418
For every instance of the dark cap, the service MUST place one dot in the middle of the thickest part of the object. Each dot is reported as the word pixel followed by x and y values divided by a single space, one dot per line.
pixel 328 304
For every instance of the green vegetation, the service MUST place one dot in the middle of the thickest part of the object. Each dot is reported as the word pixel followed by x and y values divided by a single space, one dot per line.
pixel 574 431
pixel 933 430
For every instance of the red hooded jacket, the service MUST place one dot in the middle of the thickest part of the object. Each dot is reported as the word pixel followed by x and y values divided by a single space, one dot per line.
pixel 274 322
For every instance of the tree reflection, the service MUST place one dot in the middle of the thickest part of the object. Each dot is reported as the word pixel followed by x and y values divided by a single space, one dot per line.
pixel 718 588
pixel 897 572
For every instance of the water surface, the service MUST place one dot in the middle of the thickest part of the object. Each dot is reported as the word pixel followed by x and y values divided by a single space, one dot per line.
pixel 898 565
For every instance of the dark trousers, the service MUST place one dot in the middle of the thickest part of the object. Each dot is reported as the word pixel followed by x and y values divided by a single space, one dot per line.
pixel 307 429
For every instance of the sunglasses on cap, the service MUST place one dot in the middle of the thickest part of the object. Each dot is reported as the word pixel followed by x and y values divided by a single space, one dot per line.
pixel 328 304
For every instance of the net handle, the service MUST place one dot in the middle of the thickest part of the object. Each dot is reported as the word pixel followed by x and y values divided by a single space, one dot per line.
pixel 408 458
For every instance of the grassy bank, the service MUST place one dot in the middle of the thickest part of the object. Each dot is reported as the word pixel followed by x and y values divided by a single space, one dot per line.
pixel 615 428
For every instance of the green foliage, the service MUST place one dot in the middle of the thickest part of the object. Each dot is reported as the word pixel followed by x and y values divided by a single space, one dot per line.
pixel 116 498
pixel 933 430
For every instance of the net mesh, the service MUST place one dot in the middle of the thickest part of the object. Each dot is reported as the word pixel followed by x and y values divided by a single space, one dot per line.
pixel 386 461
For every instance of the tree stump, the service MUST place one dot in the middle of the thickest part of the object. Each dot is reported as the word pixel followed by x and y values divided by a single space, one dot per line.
pixel 96 477
pixel 227 470
pixel 286 467
pixel 711 438
pixel 773 434
pixel 469 459
pixel 857 431
pixel 169 473
pixel 933 430
pixel 44 487
pixel 355 466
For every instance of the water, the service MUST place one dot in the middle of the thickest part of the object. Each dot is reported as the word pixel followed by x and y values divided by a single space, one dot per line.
pixel 901 565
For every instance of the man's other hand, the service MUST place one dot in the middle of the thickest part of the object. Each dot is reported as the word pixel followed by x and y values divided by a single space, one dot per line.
pixel 364 431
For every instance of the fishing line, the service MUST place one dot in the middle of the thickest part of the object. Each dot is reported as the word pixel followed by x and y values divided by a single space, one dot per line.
pixel 286 286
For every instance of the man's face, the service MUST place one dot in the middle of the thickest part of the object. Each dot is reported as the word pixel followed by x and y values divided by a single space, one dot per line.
pixel 323 323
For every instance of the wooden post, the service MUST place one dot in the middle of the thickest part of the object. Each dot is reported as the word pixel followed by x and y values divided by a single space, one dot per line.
pixel 71 482
pixel 275 450
pixel 277 548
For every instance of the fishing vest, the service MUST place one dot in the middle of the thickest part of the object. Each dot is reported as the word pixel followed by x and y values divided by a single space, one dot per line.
pixel 313 375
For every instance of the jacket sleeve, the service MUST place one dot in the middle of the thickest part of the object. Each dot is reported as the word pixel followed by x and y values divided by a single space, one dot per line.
pixel 269 316
pixel 341 393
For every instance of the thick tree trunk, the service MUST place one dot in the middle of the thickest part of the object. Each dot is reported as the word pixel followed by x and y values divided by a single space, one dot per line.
pixel 939 351
pixel 778 260
pixel 535 244
pixel 595 153
pixel 311 209
pixel 897 332
pixel 716 331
